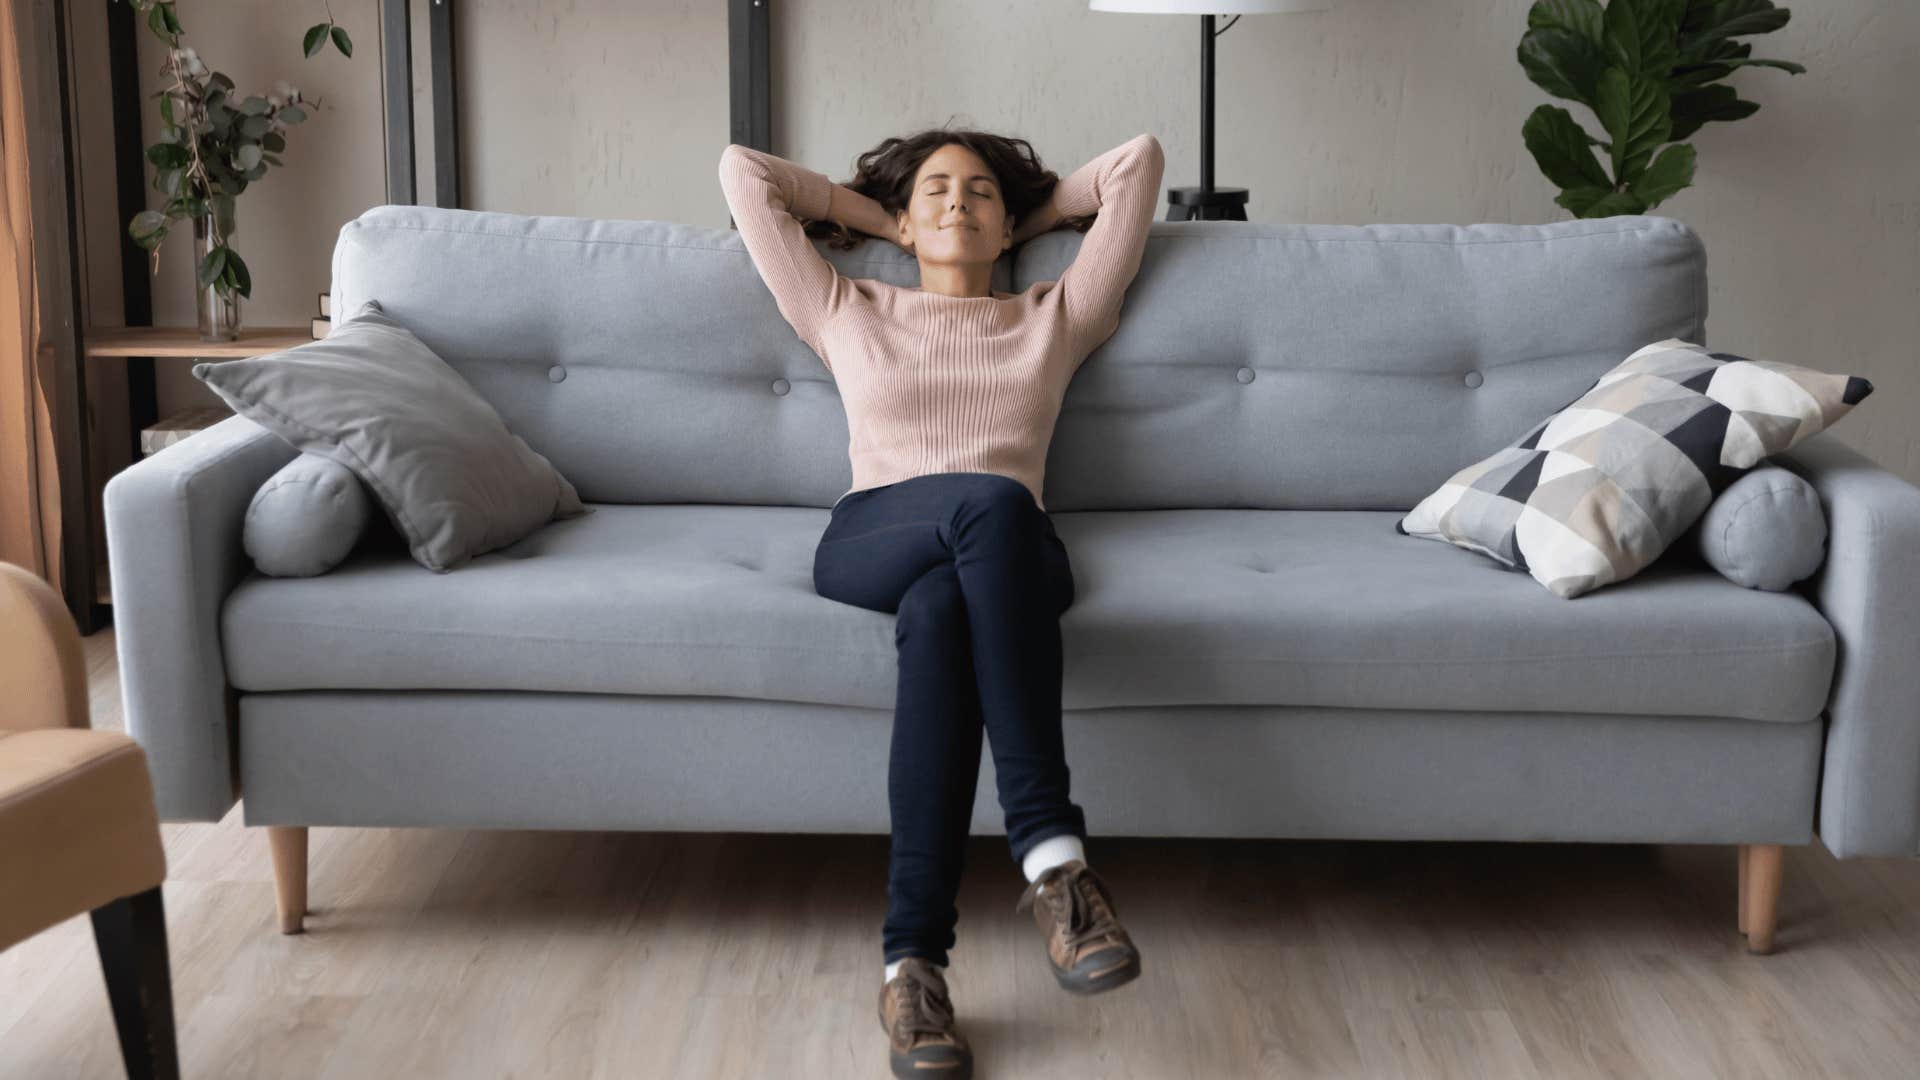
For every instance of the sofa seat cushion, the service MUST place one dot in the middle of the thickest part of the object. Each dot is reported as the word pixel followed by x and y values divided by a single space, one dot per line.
pixel 1172 607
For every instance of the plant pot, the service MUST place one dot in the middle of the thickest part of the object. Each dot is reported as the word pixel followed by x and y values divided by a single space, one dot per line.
pixel 219 315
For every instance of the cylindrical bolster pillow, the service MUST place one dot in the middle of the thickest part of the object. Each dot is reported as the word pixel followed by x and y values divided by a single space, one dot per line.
pixel 306 518
pixel 1766 530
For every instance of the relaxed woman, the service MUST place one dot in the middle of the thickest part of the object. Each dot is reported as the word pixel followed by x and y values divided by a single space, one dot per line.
pixel 951 391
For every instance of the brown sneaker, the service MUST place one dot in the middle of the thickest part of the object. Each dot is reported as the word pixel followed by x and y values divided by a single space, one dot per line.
pixel 1086 945
pixel 918 1017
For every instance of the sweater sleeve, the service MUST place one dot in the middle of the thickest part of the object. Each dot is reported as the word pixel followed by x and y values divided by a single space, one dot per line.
pixel 1123 185
pixel 768 197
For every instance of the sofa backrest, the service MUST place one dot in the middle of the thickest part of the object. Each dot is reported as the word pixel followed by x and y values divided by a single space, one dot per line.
pixel 1266 366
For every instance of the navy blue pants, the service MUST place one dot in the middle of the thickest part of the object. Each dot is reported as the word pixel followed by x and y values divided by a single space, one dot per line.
pixel 978 579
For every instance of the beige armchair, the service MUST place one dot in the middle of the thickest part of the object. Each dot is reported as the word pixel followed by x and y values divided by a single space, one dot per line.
pixel 78 828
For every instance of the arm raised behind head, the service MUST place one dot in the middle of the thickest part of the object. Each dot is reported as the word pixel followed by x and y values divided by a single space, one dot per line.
pixel 1123 186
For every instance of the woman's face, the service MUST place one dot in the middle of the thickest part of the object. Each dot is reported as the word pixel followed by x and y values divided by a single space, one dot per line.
pixel 955 213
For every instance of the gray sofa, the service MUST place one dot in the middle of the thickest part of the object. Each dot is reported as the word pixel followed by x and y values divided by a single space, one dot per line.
pixel 1253 651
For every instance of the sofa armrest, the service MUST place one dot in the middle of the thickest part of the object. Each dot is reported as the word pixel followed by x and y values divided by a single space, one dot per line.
pixel 174 553
pixel 1869 589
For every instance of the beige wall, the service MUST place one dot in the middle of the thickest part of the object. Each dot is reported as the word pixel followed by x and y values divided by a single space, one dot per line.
pixel 1377 111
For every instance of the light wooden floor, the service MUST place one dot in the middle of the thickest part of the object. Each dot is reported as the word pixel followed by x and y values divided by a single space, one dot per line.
pixel 484 954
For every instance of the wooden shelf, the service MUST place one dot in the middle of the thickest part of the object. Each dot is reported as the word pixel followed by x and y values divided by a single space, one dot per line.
pixel 185 341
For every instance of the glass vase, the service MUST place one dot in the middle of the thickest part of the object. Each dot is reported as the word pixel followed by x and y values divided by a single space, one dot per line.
pixel 219 315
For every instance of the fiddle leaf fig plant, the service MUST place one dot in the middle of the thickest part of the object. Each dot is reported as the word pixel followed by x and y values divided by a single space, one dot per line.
pixel 1650 70
pixel 214 143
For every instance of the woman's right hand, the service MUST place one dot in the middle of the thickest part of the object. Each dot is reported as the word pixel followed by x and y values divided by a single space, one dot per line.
pixel 861 213
pixel 1043 218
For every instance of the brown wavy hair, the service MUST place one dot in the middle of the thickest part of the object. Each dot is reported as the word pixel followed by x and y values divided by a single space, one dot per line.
pixel 885 174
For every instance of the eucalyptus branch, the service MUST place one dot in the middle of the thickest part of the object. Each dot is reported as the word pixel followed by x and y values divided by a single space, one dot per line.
pixel 216 147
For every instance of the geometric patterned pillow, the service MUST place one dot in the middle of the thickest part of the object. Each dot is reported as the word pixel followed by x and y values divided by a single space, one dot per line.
pixel 1595 492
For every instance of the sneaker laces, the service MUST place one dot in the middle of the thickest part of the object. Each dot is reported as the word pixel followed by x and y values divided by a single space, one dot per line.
pixel 1090 917
pixel 928 1008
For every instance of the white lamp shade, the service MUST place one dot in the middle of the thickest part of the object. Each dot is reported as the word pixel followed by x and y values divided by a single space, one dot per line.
pixel 1209 7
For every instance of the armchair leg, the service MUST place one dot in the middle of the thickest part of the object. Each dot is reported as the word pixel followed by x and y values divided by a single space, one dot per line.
pixel 289 845
pixel 1760 872
pixel 131 936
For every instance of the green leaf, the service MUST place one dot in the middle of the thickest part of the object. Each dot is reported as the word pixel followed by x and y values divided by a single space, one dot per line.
pixel 1727 66
pixel 1731 18
pixel 1670 172
pixel 149 241
pixel 293 114
pixel 1634 112
pixel 1692 51
pixel 1690 75
pixel 342 42
pixel 247 156
pixel 1642 35
pixel 1584 17
pixel 157 21
pixel 173 21
pixel 243 281
pixel 1616 202
pixel 273 141
pixel 168 155
pixel 210 267
pixel 223 213
pixel 166 108
pixel 146 223
pixel 219 78
pixel 316 36
pixel 255 105
pixel 1694 107
pixel 256 172
pixel 1563 149
pixel 1564 63
pixel 253 127
pixel 1579 198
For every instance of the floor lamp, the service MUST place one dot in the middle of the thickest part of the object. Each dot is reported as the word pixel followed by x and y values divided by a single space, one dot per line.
pixel 1208 202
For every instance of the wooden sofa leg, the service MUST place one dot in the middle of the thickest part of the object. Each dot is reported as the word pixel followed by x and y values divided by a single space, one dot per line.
pixel 1760 872
pixel 289 845
pixel 1744 891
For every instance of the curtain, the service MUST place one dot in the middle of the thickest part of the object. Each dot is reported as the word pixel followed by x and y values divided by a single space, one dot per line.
pixel 29 469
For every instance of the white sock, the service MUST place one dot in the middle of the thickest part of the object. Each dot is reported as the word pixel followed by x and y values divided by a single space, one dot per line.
pixel 1051 852
pixel 893 969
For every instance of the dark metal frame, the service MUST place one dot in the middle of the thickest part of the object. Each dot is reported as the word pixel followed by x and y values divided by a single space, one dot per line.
pixel 396 54
pixel 396 35
pixel 750 73
pixel 58 228
pixel 749 91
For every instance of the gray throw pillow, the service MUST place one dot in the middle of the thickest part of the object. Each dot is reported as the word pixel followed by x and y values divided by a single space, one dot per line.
pixel 1765 531
pixel 306 518
pixel 374 398
pixel 1596 491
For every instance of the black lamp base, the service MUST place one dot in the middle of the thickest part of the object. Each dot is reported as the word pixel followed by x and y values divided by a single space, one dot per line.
pixel 1201 204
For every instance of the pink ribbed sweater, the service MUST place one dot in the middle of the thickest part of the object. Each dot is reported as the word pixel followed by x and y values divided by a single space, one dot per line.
pixel 936 383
